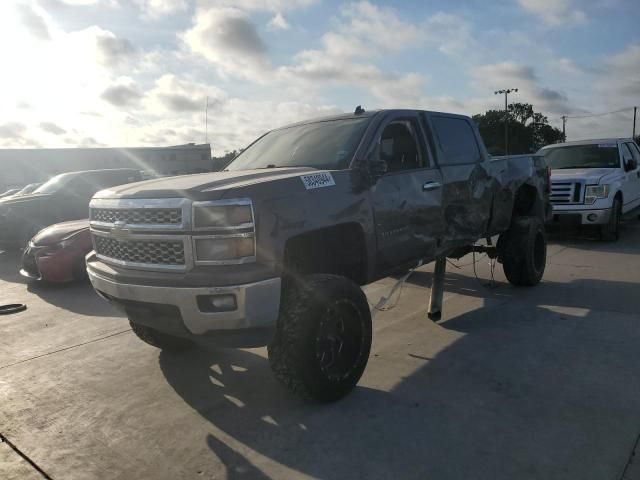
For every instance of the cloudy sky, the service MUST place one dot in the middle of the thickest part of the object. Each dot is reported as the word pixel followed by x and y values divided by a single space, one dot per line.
pixel 138 72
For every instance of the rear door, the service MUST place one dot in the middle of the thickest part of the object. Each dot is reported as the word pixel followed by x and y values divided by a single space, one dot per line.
pixel 407 199
pixel 632 178
pixel 467 184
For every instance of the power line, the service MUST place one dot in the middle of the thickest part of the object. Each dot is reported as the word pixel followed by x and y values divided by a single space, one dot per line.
pixel 599 114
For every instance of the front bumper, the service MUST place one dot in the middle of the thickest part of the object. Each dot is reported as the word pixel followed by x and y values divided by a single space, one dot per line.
pixel 580 217
pixel 257 304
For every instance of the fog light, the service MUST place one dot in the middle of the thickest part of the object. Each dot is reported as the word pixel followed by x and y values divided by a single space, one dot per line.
pixel 592 217
pixel 217 303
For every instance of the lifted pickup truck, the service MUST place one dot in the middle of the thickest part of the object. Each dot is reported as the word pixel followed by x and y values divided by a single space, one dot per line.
pixel 594 182
pixel 272 250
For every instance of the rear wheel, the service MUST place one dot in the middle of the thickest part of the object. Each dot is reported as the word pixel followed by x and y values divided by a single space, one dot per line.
pixel 523 251
pixel 610 232
pixel 323 337
pixel 159 339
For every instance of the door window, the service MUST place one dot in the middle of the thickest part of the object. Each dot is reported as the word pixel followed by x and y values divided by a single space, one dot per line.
pixel 635 151
pixel 399 146
pixel 457 140
pixel 626 154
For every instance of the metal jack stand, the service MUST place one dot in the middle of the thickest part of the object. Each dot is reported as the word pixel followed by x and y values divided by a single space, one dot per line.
pixel 437 289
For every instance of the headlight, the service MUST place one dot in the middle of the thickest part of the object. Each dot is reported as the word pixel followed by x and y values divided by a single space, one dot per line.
pixel 230 249
pixel 214 215
pixel 593 192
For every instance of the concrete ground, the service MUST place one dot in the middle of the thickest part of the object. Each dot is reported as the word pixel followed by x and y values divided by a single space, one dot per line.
pixel 531 383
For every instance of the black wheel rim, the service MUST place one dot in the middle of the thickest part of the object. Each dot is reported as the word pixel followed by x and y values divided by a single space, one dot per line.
pixel 339 340
pixel 539 251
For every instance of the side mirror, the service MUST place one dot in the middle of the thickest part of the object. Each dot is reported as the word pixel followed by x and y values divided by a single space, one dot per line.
pixel 630 164
pixel 377 167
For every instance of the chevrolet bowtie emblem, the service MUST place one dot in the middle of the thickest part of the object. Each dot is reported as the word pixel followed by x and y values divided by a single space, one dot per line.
pixel 119 232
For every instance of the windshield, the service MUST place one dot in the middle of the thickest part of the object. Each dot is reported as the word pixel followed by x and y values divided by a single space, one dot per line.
pixel 54 184
pixel 604 155
pixel 327 145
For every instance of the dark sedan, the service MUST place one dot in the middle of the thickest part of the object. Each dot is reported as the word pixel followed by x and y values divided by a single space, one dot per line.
pixel 56 254
pixel 64 197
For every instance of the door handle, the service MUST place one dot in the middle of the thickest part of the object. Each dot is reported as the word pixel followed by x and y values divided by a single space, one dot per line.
pixel 431 186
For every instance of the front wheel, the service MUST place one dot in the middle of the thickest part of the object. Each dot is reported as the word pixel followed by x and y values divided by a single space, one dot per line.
pixel 523 251
pixel 610 232
pixel 323 337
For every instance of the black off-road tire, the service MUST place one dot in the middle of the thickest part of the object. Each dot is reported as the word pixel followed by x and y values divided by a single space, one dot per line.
pixel 610 232
pixel 80 271
pixel 301 351
pixel 159 339
pixel 523 251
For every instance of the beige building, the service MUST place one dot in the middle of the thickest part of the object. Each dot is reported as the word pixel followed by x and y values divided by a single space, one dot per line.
pixel 20 166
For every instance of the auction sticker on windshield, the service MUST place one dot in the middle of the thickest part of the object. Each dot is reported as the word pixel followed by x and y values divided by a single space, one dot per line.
pixel 317 180
pixel 607 145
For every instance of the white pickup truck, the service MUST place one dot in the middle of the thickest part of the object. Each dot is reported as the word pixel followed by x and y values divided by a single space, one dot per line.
pixel 594 182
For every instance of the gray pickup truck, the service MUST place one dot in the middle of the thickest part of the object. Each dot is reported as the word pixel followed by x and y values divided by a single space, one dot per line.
pixel 273 250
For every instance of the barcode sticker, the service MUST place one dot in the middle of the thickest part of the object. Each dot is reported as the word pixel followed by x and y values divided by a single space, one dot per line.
pixel 317 180
pixel 607 145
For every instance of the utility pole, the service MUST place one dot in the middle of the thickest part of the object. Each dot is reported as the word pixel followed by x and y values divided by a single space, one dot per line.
pixel 206 121
pixel 634 122
pixel 564 123
pixel 506 116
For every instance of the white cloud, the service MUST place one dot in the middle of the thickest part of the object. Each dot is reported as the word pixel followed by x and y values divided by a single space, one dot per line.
pixel 159 8
pixel 555 13
pixel 228 38
pixel 259 5
pixel 176 95
pixel 279 22
pixel 122 93
pixel 507 75
pixel 35 21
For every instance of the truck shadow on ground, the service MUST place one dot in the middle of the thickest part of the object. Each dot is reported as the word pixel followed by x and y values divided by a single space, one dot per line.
pixel 76 297
pixel 527 391
pixel 10 266
pixel 589 238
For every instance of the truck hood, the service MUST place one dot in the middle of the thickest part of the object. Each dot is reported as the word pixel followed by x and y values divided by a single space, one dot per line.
pixel 58 232
pixel 194 186
pixel 592 175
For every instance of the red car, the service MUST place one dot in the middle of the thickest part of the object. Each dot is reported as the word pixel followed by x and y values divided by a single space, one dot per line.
pixel 56 253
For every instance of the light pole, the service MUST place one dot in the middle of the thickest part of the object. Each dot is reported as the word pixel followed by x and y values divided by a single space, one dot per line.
pixel 206 120
pixel 506 116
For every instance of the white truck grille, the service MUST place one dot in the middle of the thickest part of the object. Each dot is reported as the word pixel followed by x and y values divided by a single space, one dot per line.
pixel 565 193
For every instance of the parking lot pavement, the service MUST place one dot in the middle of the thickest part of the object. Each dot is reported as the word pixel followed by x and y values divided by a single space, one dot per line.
pixel 537 383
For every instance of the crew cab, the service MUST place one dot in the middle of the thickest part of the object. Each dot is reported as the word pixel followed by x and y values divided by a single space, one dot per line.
pixel 594 182
pixel 64 197
pixel 273 250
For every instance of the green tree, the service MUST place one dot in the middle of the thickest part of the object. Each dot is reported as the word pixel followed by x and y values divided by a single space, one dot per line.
pixel 220 163
pixel 528 130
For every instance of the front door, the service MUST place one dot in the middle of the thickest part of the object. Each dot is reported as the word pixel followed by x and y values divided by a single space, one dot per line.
pixel 631 182
pixel 407 199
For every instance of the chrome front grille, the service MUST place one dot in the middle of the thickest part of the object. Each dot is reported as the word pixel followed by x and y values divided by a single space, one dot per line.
pixel 159 234
pixel 166 252
pixel 138 216
pixel 565 193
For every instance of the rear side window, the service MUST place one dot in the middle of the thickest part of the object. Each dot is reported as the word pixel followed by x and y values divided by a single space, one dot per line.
pixel 457 140
pixel 634 151
pixel 626 153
